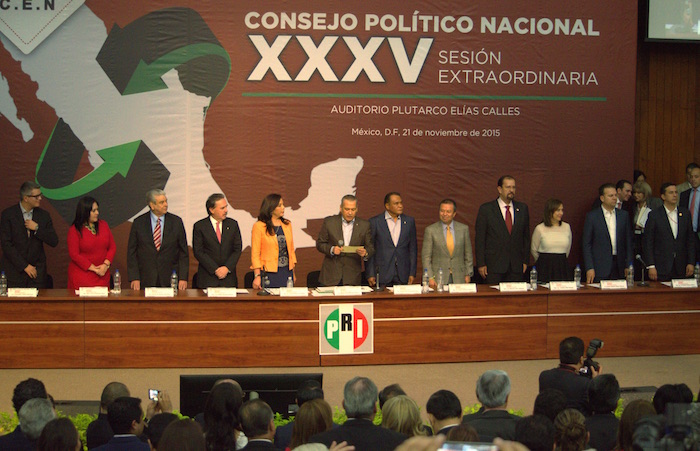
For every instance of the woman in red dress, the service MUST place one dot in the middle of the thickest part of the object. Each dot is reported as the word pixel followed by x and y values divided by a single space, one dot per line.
pixel 90 246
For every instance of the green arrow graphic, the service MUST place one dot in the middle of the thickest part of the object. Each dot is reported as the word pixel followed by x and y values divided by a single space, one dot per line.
pixel 147 77
pixel 117 160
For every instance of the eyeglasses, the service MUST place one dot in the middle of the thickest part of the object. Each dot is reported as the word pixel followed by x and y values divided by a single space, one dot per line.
pixel 36 196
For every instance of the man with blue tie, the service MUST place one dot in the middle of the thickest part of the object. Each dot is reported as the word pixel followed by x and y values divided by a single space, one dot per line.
pixel 395 245
pixel 690 199
pixel 217 245
pixel 607 239
pixel 669 245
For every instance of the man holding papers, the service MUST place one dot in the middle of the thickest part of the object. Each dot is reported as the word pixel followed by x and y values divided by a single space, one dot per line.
pixel 345 241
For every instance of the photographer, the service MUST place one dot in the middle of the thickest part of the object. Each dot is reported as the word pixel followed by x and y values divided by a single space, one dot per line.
pixel 567 376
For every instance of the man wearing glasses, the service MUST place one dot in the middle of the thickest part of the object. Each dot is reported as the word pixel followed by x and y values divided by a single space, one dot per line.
pixel 24 229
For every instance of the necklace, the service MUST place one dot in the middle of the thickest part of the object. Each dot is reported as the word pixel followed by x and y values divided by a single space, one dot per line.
pixel 91 228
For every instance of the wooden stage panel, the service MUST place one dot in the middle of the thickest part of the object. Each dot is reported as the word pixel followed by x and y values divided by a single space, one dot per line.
pixel 456 340
pixel 151 345
pixel 640 321
pixel 61 330
pixel 42 345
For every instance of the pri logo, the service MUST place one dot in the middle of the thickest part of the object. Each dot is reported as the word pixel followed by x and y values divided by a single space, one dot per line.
pixel 346 329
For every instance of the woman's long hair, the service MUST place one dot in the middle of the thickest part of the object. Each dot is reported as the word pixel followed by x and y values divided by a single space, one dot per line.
pixel 401 414
pixel 221 416
pixel 268 205
pixel 82 213
pixel 313 417
pixel 571 433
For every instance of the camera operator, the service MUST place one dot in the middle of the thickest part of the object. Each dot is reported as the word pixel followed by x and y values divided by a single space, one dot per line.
pixel 567 376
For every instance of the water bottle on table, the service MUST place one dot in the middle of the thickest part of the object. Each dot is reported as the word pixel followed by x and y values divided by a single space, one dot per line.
pixel 173 282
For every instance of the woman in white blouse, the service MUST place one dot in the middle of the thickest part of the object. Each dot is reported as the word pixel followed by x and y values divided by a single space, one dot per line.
pixel 551 244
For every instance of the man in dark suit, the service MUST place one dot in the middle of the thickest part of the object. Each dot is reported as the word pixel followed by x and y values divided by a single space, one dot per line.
pixel 607 239
pixel 24 229
pixel 446 245
pixel 493 420
pixel 24 391
pixel 690 199
pixel 567 378
pixel 337 232
pixel 99 431
pixel 257 422
pixel 125 416
pixel 157 246
pixel 395 245
pixel 503 236
pixel 602 424
pixel 669 245
pixel 360 404
pixel 217 245
pixel 444 411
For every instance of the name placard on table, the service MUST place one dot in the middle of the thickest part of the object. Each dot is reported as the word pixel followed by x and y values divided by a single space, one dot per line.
pixel 562 286
pixel 22 292
pixel 462 288
pixel 294 292
pixel 221 292
pixel 159 292
pixel 408 289
pixel 348 290
pixel 684 283
pixel 613 284
pixel 101 292
pixel 511 287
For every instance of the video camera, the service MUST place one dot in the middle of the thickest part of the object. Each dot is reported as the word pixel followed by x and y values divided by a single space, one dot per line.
pixel 677 430
pixel 589 363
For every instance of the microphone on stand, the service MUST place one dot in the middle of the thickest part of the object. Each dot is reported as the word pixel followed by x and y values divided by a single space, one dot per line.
pixel 644 266
pixel 264 282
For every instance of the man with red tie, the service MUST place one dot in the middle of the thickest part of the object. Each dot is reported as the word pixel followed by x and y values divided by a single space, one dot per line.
pixel 157 246
pixel 503 236
pixel 217 245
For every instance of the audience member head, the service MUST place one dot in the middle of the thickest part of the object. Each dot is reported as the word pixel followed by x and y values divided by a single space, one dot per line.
pixel 183 435
pixel 688 170
pixel 639 176
pixel 360 398
pixel 623 188
pixel 639 408
pixel 310 389
pixel 26 390
pixel 641 192
pixel 493 388
pixel 463 433
pixel 257 419
pixel 571 433
pixel 221 415
pixel 443 405
pixel 549 403
pixel 34 415
pixel 112 391
pixel 671 393
pixel 125 416
pixel 401 414
pixel 389 392
pixel 59 434
pixel 571 350
pixel 313 417
pixel 157 425
pixel 553 212
pixel 536 432
pixel 603 393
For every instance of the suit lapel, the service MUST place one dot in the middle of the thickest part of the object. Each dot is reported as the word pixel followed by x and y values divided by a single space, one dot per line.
pixel 499 215
pixel 354 238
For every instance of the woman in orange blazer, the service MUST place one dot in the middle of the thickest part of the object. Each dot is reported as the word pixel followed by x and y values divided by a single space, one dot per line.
pixel 272 245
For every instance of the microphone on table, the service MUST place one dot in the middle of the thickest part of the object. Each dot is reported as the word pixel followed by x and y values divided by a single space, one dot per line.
pixel 644 266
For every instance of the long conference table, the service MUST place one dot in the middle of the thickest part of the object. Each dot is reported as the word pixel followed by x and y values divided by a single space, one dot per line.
pixel 59 329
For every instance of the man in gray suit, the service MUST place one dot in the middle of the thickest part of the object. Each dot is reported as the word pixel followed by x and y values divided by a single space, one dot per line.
pixel 340 233
pixel 446 245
